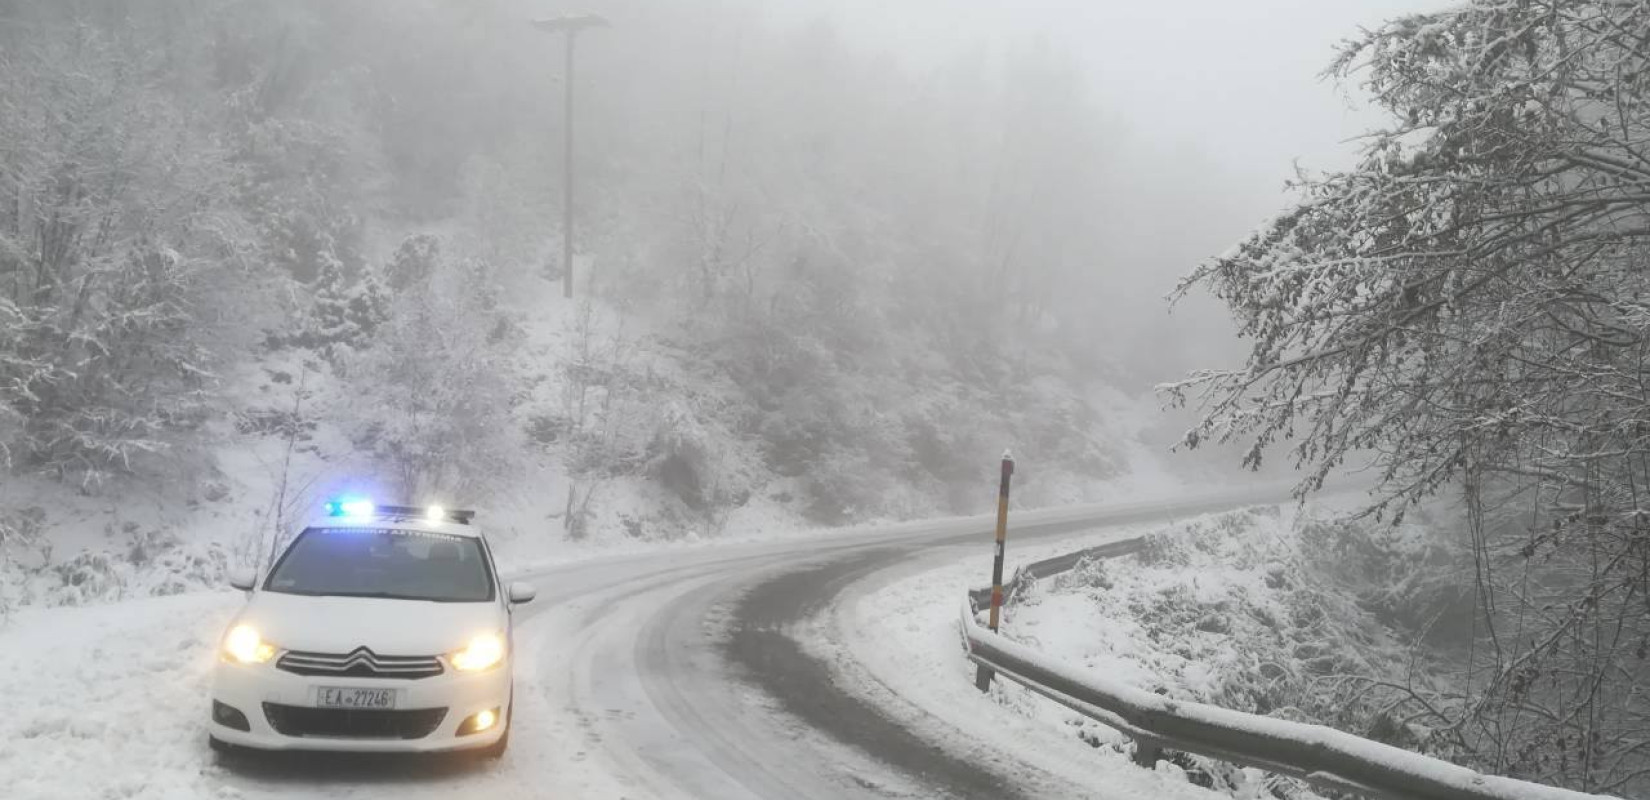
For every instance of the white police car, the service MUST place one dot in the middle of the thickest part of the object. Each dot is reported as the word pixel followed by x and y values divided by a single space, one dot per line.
pixel 378 629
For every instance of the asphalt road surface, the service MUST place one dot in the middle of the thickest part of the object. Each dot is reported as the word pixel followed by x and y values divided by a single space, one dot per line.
pixel 682 673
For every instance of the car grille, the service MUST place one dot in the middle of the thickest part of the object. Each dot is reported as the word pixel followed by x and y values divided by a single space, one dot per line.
pixel 362 663
pixel 351 723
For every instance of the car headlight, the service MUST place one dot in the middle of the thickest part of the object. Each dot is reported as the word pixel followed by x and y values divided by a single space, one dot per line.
pixel 244 645
pixel 483 652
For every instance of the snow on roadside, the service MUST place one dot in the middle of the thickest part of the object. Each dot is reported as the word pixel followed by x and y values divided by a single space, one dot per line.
pixel 1172 628
pixel 894 640
pixel 109 702
pixel 99 700
pixel 776 529
pixel 1190 620
pixel 1248 610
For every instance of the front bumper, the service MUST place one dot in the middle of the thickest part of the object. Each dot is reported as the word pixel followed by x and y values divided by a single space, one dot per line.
pixel 247 687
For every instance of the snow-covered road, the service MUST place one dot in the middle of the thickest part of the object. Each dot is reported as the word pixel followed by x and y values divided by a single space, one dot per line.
pixel 721 672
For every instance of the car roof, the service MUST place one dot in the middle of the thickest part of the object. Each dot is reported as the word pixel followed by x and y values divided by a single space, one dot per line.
pixel 398 523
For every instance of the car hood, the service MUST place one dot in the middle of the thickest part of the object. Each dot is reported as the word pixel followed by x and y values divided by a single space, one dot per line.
pixel 386 627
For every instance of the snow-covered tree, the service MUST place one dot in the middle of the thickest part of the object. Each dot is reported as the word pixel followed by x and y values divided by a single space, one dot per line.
pixel 114 222
pixel 806 226
pixel 345 313
pixel 431 397
pixel 1470 307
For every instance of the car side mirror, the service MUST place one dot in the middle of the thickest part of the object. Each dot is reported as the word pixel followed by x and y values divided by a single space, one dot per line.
pixel 522 593
pixel 243 578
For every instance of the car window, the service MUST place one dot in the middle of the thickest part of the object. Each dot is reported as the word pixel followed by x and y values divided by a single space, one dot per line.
pixel 386 562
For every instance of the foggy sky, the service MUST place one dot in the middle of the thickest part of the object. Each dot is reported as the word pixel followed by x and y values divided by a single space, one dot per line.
pixel 1237 79
pixel 1213 102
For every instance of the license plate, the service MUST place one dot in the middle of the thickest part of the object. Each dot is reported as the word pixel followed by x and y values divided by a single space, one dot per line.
pixel 337 697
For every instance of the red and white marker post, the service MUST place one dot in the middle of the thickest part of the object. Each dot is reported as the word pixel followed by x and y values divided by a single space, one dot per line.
pixel 983 676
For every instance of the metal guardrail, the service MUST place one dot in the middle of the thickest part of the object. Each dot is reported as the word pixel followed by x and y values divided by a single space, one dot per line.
pixel 1056 565
pixel 1317 754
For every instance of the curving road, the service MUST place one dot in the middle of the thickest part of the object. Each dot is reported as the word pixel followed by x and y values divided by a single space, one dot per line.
pixel 681 674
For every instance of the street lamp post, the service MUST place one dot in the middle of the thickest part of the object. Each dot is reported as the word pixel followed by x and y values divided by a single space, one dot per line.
pixel 572 26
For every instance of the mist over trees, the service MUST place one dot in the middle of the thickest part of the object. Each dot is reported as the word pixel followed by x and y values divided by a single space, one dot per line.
pixel 780 232
pixel 836 279
pixel 1466 310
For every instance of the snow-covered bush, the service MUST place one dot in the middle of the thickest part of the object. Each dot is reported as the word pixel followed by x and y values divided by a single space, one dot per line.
pixel 164 564
pixel 1407 576
pixel 23 548
pixel 138 375
pixel 105 353
pixel 683 457
pixel 343 315
pixel 149 561
pixel 21 529
pixel 626 413
pixel 431 399
pixel 1251 611
pixel 414 263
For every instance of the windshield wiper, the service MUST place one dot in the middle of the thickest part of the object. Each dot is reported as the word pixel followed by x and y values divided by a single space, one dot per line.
pixel 377 596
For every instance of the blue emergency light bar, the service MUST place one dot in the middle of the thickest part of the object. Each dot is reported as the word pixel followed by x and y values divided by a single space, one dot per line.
pixel 357 508
pixel 350 507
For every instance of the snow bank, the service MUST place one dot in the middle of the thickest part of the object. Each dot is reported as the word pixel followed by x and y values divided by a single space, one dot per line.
pixel 109 701
pixel 1239 611
pixel 1320 753
pixel 894 641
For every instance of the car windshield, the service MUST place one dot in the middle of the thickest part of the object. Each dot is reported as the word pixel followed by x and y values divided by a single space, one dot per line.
pixel 384 562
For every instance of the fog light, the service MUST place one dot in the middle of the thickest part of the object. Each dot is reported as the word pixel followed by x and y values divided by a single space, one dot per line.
pixel 479 722
pixel 229 716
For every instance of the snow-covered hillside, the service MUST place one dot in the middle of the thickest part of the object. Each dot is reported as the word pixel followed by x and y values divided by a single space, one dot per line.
pixel 641 439
pixel 231 286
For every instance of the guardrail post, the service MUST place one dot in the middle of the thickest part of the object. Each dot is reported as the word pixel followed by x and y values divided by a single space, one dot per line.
pixel 1147 753
pixel 983 675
